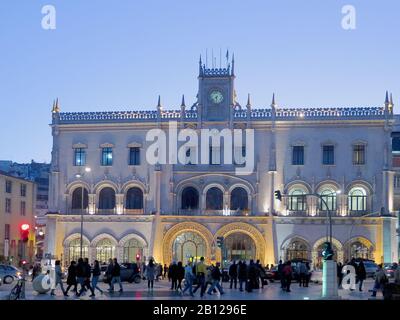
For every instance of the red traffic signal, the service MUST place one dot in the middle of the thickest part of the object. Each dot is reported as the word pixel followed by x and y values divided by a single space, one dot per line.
pixel 23 262
pixel 138 257
pixel 25 232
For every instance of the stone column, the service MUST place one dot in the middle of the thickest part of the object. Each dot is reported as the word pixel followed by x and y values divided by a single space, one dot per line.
pixel 119 203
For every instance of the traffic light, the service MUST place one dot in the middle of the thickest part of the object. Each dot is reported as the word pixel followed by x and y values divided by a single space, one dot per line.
pixel 278 195
pixel 137 257
pixel 25 232
pixel 220 242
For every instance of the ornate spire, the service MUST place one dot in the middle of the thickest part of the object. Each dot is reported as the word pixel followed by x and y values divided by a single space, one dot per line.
pixel 387 97
pixel 200 67
pixel 273 104
pixel 183 101
pixel 391 105
pixel 233 64
pixel 56 108
pixel 159 102
pixel 248 105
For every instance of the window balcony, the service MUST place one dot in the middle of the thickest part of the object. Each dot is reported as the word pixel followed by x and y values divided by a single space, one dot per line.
pixel 198 212
pixel 105 212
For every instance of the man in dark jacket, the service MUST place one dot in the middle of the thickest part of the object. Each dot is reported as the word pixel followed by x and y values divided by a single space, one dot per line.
pixel 173 274
pixel 280 274
pixel 361 274
pixel 80 275
pixel 242 274
pixel 216 278
pixel 71 278
pixel 86 273
pixel 252 276
pixel 233 274
pixel 116 276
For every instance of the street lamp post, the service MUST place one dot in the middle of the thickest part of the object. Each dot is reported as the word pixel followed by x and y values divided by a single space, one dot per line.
pixel 329 284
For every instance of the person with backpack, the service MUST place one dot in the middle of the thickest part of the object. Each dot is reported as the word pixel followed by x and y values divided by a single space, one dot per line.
pixel 380 281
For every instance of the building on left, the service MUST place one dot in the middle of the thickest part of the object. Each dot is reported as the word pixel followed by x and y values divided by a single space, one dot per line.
pixel 17 219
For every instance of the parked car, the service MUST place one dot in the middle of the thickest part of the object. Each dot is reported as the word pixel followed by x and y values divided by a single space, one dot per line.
pixel 9 273
pixel 390 269
pixel 129 273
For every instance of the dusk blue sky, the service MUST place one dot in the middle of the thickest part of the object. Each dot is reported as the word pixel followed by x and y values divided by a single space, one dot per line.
pixel 119 55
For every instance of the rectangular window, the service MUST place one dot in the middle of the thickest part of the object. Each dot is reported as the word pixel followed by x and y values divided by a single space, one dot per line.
pixel 396 144
pixel 397 181
pixel 23 190
pixel 23 208
pixel 8 186
pixel 328 155
pixel 6 232
pixel 215 155
pixel 79 157
pixel 239 156
pixel 134 156
pixel 106 157
pixel 359 154
pixel 298 155
pixel 8 205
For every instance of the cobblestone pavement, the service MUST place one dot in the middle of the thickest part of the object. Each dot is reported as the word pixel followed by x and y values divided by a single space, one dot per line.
pixel 162 291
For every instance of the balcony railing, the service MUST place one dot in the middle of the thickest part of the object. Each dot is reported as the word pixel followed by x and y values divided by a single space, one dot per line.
pixel 105 212
pixel 198 212
pixel 323 213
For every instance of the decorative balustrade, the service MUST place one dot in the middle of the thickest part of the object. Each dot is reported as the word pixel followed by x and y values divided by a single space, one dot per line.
pixel 255 114
pixel 105 212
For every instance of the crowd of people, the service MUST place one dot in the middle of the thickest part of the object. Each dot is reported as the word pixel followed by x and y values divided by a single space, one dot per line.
pixel 197 276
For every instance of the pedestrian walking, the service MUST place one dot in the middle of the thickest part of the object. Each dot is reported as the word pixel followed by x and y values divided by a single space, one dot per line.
pixel 172 274
pixel 380 281
pixel 165 271
pixel 180 274
pixel 116 276
pixel 242 274
pixel 287 274
pixel 216 278
pixel 189 277
pixel 71 278
pixel 307 274
pixel 201 270
pixel 280 273
pixel 95 278
pixel 80 275
pixel 361 274
pixel 86 274
pixel 108 273
pixel 252 276
pixel 150 274
pixel 58 280
pixel 233 274
pixel 302 274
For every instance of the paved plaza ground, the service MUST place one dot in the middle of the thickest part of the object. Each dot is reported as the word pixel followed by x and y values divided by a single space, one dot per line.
pixel 162 291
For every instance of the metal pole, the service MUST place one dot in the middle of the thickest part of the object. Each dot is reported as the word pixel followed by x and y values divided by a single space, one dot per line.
pixel 81 244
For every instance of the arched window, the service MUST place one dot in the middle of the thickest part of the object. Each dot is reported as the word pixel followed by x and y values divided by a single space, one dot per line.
pixel 329 200
pixel 105 250
pixel 133 248
pixel 297 249
pixel 297 200
pixel 134 198
pixel 80 198
pixel 239 246
pixel 214 199
pixel 190 198
pixel 357 199
pixel 107 198
pixel 239 199
pixel 188 246
pixel 74 250
pixel 357 249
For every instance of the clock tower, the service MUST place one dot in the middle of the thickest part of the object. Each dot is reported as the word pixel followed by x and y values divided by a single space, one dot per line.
pixel 216 91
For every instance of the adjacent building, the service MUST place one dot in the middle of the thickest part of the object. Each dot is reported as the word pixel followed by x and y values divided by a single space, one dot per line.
pixel 17 210
pixel 337 161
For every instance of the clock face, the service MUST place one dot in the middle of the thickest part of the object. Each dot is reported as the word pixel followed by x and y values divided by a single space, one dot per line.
pixel 216 96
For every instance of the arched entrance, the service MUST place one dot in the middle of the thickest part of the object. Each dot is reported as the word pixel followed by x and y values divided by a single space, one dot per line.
pixel 239 243
pixel 183 239
pixel 358 248
pixel 188 246
pixel 239 246
pixel 296 248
